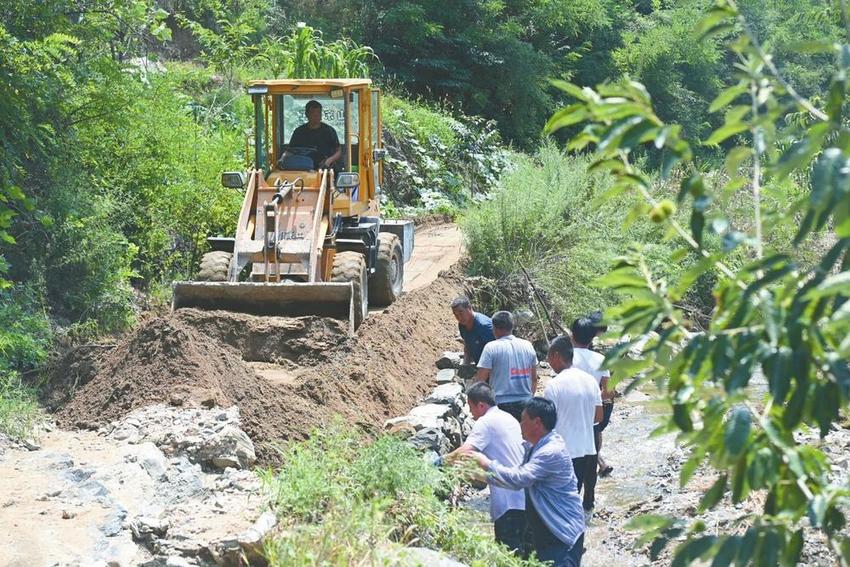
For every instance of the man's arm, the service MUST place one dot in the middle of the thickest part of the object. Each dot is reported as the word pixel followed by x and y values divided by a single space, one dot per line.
pixel 465 449
pixel 329 161
pixel 603 385
pixel 466 356
pixel 485 364
pixel 534 379
pixel 514 478
pixel 597 418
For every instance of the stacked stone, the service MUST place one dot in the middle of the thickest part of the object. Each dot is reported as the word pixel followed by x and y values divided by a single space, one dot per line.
pixel 442 421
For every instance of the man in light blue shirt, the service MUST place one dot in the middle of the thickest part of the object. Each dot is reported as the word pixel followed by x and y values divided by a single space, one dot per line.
pixel 553 507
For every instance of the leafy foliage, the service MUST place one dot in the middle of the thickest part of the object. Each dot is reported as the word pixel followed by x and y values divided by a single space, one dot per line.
pixel 436 161
pixel 25 338
pixel 347 499
pixel 773 316
pixel 304 55
pixel 563 225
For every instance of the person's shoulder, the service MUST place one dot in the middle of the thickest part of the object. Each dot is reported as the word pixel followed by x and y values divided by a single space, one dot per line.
pixel 554 446
pixel 481 425
pixel 300 128
pixel 594 356
pixel 586 378
pixel 501 417
pixel 580 374
pixel 483 319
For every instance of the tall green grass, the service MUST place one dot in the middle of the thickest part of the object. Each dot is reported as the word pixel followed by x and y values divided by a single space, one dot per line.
pixel 556 220
pixel 345 499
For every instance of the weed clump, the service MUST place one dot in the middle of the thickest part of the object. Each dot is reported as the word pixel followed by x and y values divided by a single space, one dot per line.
pixel 344 499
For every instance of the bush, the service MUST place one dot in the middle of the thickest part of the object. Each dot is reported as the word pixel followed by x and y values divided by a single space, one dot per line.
pixel 24 345
pixel 437 162
pixel 345 499
pixel 558 221
pixel 167 148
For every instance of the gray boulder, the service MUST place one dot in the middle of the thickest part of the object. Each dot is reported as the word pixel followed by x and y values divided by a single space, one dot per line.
pixel 450 360
pixel 430 440
pixel 446 394
pixel 430 415
pixel 229 447
pixel 466 372
pixel 144 528
pixel 251 540
pixel 446 376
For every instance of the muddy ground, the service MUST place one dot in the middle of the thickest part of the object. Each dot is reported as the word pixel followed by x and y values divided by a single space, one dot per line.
pixel 308 370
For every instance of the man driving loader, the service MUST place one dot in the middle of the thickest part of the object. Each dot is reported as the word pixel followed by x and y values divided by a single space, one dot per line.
pixel 316 134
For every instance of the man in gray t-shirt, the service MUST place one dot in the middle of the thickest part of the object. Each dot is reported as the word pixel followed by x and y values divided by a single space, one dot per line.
pixel 509 364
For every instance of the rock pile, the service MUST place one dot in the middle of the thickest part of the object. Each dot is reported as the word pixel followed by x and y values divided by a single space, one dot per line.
pixel 163 486
pixel 211 438
pixel 442 421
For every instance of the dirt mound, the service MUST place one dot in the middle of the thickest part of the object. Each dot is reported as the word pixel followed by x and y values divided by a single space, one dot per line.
pixel 381 373
pixel 71 371
pixel 164 360
pixel 303 340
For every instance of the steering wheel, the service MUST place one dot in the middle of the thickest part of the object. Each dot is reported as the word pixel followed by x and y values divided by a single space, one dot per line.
pixel 300 150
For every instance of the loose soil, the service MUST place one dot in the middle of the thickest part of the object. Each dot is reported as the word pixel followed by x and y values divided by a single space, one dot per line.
pixel 196 358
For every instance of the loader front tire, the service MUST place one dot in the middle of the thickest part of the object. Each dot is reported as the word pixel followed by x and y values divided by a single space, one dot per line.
pixel 351 267
pixel 214 266
pixel 389 271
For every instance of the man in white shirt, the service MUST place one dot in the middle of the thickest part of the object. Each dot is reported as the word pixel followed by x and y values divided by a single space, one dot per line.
pixel 497 434
pixel 509 364
pixel 578 403
pixel 583 331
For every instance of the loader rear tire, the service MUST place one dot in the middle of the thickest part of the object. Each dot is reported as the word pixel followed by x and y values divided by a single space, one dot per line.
pixel 351 267
pixel 389 271
pixel 214 266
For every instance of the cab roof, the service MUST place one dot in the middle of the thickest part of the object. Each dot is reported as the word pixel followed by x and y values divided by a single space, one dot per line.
pixel 308 85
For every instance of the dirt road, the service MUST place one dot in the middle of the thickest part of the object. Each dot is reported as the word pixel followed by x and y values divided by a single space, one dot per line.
pixel 437 248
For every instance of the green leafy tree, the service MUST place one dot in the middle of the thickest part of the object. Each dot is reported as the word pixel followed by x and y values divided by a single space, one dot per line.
pixel 779 315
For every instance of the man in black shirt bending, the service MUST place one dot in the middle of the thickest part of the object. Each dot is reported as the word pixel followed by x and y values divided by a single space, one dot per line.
pixel 317 134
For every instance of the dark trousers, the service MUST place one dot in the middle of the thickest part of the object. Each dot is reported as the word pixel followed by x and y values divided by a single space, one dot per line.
pixel 561 554
pixel 513 408
pixel 510 530
pixel 607 410
pixel 586 474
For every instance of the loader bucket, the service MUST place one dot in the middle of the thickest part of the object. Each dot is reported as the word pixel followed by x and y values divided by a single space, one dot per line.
pixel 291 299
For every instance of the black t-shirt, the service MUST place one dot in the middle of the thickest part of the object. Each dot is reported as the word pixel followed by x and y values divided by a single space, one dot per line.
pixel 323 138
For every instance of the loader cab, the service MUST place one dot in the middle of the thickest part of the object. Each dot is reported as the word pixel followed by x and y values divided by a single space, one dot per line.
pixel 351 107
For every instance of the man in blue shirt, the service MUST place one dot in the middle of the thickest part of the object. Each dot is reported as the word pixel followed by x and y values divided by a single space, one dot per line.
pixel 476 329
pixel 552 504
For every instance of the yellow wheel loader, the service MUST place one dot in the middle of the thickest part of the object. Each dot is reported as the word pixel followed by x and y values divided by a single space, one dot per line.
pixel 310 239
